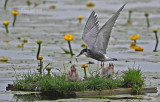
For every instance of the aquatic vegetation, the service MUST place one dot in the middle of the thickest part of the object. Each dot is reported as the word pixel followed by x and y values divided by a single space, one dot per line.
pixel 98 83
pixel 90 4
pixel 40 58
pixel 132 46
pixel 59 83
pixel 134 37
pixel 157 41
pixel 84 45
pixel 147 19
pixel 137 48
pixel 69 38
pixel 36 4
pixel 5 4
pixel 6 42
pixel 6 23
pixel 4 59
pixel 66 51
pixel 80 18
pixel 14 13
pixel 49 70
pixel 133 79
pixel 129 21
pixel 24 41
pixel 52 7
pixel 21 46
pixel 39 42
pixel 28 2
pixel 84 66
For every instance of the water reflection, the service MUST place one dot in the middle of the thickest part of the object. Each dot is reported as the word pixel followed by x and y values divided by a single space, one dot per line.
pixel 42 96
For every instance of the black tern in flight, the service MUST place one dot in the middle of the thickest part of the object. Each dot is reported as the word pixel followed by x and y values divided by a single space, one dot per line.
pixel 97 39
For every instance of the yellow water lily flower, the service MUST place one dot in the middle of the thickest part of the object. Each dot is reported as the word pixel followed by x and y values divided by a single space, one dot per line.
pixel 40 57
pixel 20 46
pixel 6 23
pixel 52 7
pixel 137 48
pixel 48 68
pixel 25 41
pixel 84 45
pixel 4 59
pixel 155 30
pixel 90 4
pixel 134 37
pixel 146 14
pixel 84 66
pixel 28 2
pixel 36 4
pixel 133 46
pixel 6 42
pixel 39 41
pixel 80 17
pixel 14 12
pixel 68 37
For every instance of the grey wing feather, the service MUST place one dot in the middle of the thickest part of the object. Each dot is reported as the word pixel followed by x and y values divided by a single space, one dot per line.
pixel 90 30
pixel 105 32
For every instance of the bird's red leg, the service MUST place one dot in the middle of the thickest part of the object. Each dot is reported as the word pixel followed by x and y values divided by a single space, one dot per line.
pixel 103 64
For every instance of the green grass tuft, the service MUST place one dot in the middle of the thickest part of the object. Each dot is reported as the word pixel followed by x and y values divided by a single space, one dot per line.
pixel 133 79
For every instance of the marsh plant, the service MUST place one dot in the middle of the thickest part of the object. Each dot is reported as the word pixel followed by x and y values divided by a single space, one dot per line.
pixel 157 41
pixel 59 83
pixel 39 42
pixel 80 18
pixel 14 13
pixel 129 21
pixel 6 23
pixel 134 38
pixel 133 79
pixel 84 66
pixel 147 19
pixel 5 4
pixel 40 58
pixel 68 38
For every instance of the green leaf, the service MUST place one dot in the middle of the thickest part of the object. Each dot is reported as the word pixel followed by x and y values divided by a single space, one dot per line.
pixel 66 51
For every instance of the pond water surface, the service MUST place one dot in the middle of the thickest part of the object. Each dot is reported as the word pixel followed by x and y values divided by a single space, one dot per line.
pixel 50 25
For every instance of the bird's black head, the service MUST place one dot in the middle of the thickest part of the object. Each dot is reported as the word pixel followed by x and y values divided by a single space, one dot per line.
pixel 83 51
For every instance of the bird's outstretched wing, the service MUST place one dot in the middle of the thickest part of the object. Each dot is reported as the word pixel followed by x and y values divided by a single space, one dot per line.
pixel 91 30
pixel 104 33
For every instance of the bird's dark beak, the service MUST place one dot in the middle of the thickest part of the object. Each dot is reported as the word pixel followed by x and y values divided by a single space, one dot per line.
pixel 114 59
pixel 77 57
pixel 82 51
